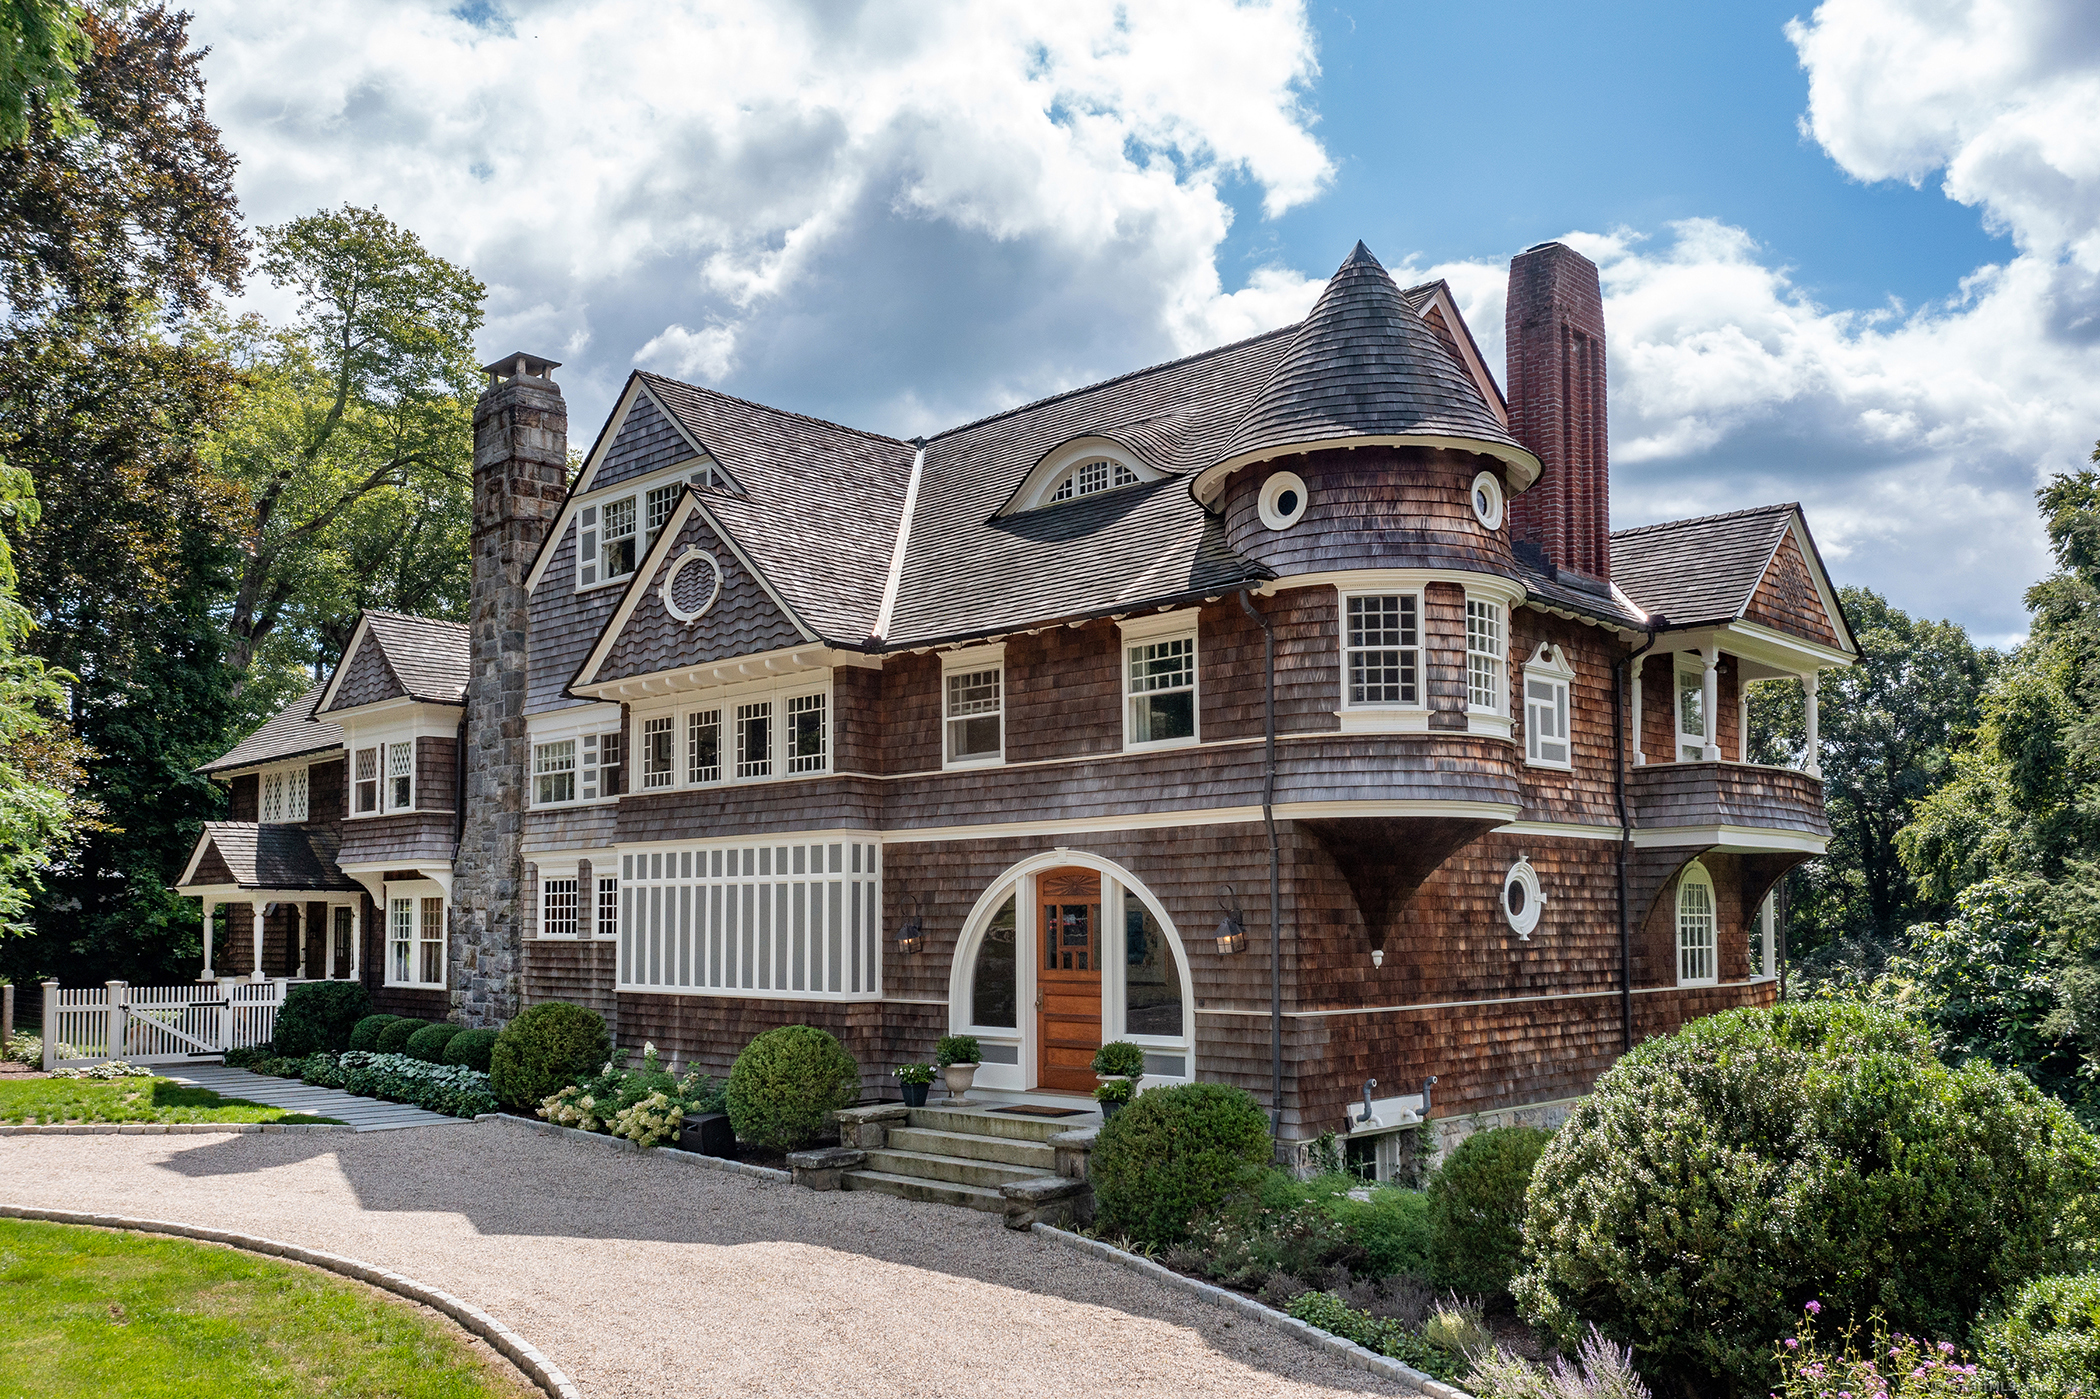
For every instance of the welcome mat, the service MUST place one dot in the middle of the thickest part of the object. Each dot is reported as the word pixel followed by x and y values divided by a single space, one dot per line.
pixel 1033 1110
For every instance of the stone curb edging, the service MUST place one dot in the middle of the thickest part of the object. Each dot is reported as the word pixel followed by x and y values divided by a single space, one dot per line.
pixel 155 1129
pixel 510 1344
pixel 1356 1355
pixel 690 1158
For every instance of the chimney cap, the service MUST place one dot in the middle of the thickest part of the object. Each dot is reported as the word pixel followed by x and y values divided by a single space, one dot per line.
pixel 534 366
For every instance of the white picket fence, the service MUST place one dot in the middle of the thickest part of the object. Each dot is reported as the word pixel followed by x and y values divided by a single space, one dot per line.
pixel 157 1024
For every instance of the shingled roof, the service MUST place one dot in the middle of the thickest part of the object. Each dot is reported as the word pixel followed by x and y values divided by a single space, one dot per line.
pixel 249 856
pixel 430 658
pixel 289 733
pixel 1699 571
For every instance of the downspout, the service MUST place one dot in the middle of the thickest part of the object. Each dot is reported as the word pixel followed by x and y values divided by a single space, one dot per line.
pixel 459 785
pixel 1268 820
pixel 1618 787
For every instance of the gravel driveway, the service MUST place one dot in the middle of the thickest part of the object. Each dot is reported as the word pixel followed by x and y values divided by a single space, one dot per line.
pixel 644 1277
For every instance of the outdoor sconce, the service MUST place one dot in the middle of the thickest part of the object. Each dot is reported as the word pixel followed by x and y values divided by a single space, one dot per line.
pixel 912 936
pixel 1232 932
pixel 1377 957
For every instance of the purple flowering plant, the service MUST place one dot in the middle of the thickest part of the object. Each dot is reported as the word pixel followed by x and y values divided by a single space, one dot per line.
pixel 1877 1365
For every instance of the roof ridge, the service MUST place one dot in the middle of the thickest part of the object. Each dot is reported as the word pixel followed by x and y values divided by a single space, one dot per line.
pixel 1792 505
pixel 770 408
pixel 415 617
pixel 1113 379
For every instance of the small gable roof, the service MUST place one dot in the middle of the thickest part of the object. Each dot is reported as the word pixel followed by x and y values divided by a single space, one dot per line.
pixel 251 856
pixel 1707 570
pixel 291 732
pixel 392 655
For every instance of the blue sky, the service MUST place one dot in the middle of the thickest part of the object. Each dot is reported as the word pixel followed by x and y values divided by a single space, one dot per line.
pixel 1851 253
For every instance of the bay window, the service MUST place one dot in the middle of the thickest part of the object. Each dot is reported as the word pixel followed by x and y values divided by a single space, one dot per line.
pixel 1485 662
pixel 401 776
pixel 1382 651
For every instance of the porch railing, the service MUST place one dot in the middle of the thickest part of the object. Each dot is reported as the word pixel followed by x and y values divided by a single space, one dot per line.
pixel 157 1024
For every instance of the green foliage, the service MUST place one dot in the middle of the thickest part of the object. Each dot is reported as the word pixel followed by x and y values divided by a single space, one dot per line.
pixel 2046 1342
pixel 1383 1337
pixel 646 1105
pixel 365 1034
pixel 1120 1057
pixel 956 1049
pixel 323 1071
pixel 1813 1365
pixel 1116 1090
pixel 394 1038
pixel 452 1089
pixel 1598 1370
pixel 471 1048
pixel 787 1083
pixel 42 46
pixel 1718 1178
pixel 1476 1208
pixel 1174 1154
pixel 320 1016
pixel 1308 1228
pixel 547 1048
pixel 57 1100
pixel 913 1073
pixel 428 1043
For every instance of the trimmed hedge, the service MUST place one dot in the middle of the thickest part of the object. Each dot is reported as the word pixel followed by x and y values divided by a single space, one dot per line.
pixel 428 1043
pixel 1476 1208
pixel 394 1038
pixel 1719 1179
pixel 318 1017
pixel 365 1034
pixel 1174 1154
pixel 787 1083
pixel 471 1048
pixel 2046 1344
pixel 547 1048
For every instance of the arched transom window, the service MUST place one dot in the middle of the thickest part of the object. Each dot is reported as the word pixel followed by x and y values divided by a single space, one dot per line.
pixel 1090 477
pixel 1695 927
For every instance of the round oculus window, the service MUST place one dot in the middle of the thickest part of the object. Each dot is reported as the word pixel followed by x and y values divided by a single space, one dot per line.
pixel 1487 500
pixel 691 585
pixel 1522 899
pixel 1283 499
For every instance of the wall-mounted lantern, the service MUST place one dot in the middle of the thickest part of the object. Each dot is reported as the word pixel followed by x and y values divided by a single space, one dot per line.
pixel 912 936
pixel 1232 928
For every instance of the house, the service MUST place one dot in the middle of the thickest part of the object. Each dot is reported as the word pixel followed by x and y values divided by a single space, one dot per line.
pixel 1024 729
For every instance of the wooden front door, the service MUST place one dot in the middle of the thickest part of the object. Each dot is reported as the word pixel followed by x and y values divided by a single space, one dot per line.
pixel 1068 978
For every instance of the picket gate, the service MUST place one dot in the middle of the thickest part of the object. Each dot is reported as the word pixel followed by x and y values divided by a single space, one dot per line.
pixel 157 1024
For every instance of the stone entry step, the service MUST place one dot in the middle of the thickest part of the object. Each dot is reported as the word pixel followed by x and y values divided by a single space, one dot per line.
pixel 974 1197
pixel 959 1155
pixel 1010 1151
pixel 955 1170
pixel 982 1122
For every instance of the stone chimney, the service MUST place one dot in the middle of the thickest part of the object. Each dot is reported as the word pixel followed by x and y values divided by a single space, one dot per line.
pixel 1554 329
pixel 521 460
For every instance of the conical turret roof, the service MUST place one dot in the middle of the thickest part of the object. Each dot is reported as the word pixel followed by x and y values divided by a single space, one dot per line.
pixel 1365 369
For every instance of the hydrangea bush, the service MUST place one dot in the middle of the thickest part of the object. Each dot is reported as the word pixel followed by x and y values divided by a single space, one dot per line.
pixel 647 1105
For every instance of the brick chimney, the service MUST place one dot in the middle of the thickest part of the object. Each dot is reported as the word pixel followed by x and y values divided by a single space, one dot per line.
pixel 1554 329
pixel 521 452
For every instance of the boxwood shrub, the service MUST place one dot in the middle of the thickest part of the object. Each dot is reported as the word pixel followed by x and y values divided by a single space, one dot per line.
pixel 365 1034
pixel 1719 1179
pixel 1173 1154
pixel 1476 1208
pixel 428 1043
pixel 2046 1343
pixel 318 1017
pixel 547 1048
pixel 394 1038
pixel 471 1048
pixel 787 1083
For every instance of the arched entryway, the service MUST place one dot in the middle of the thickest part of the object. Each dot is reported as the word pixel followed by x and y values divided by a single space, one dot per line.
pixel 1063 952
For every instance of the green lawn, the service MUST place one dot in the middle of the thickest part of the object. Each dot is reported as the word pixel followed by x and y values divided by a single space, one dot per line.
pixel 82 1100
pixel 92 1311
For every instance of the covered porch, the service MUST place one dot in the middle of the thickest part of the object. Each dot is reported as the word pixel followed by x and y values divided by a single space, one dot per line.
pixel 288 912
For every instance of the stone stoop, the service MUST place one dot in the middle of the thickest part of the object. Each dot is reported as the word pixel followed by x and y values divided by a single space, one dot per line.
pixel 960 1156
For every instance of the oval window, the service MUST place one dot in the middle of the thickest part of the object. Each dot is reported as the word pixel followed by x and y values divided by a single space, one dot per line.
pixel 1522 899
pixel 1283 499
pixel 1487 500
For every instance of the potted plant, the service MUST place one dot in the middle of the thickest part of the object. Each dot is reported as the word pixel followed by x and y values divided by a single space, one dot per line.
pixel 1118 1065
pixel 958 1057
pixel 1112 1094
pixel 914 1079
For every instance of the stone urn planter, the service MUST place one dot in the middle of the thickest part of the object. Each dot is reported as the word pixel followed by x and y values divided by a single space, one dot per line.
pixel 959 1078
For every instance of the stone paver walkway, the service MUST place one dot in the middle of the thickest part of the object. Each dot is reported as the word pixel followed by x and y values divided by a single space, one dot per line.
pixel 365 1114
pixel 642 1276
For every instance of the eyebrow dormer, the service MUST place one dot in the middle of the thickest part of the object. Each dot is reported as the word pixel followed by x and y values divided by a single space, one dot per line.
pixel 1083 466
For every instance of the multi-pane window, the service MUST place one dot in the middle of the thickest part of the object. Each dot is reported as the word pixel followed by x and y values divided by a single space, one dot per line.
pixel 1695 926
pixel 1384 650
pixel 1161 681
pixel 365 781
pixel 400 776
pixel 604 773
pixel 431 947
pixel 554 772
pixel 1092 476
pixel 271 806
pixel 608 906
pixel 1484 659
pixel 659 752
pixel 661 502
pixel 558 908
pixel 807 739
pixel 1691 712
pixel 754 739
pixel 1546 720
pixel 975 713
pixel 619 542
pixel 400 938
pixel 295 795
pixel 703 746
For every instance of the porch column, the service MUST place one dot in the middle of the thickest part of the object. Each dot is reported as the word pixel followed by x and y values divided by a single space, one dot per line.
pixel 1812 757
pixel 211 914
pixel 299 917
pixel 1640 663
pixel 357 940
pixel 1710 703
pixel 255 970
pixel 1768 940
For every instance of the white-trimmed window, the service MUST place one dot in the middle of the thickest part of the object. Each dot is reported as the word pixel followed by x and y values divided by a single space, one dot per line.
pixel 659 752
pixel 808 733
pixel 365 781
pixel 660 502
pixel 604 771
pixel 1485 661
pixel 400 939
pixel 558 908
pixel 554 772
pixel 1093 477
pixel 415 932
pixel 608 906
pixel 283 797
pixel 1159 682
pixel 401 776
pixel 973 707
pixel 1691 709
pixel 1548 679
pixel 1695 927
pixel 703 746
pixel 754 739
pixel 1382 651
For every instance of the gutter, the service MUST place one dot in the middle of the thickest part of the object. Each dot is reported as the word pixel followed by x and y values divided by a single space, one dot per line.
pixel 459 785
pixel 1268 820
pixel 1618 790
